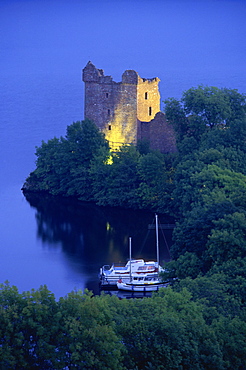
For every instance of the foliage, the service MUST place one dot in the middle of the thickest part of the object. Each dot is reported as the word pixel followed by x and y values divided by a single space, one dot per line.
pixel 63 165
pixel 204 108
pixel 171 330
pixel 119 185
pixel 200 322
pixel 82 166
pixel 211 104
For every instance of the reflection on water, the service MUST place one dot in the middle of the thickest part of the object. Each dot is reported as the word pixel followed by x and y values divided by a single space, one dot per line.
pixel 122 294
pixel 92 236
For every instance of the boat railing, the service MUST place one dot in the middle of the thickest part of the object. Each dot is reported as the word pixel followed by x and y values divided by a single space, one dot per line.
pixel 114 266
pixel 119 266
pixel 106 267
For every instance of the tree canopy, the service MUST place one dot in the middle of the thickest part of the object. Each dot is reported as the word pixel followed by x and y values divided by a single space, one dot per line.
pixel 199 323
pixel 171 330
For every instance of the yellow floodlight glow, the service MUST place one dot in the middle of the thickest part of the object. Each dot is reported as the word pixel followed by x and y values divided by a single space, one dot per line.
pixel 122 129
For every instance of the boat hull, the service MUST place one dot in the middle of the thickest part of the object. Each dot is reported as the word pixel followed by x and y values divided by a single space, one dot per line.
pixel 131 287
pixel 111 283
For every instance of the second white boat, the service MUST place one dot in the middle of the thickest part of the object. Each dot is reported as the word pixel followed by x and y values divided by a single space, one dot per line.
pixel 141 284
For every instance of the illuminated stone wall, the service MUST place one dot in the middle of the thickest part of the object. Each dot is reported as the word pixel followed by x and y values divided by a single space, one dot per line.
pixel 111 105
pixel 148 98
pixel 122 109
pixel 122 127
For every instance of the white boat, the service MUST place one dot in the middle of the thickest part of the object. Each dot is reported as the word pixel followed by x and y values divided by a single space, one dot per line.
pixel 109 275
pixel 141 284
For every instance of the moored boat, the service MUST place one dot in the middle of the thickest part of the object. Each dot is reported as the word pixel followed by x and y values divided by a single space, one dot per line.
pixel 141 284
pixel 134 268
pixel 109 275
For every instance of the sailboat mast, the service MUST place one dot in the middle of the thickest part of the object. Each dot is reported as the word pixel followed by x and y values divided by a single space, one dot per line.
pixel 130 256
pixel 157 240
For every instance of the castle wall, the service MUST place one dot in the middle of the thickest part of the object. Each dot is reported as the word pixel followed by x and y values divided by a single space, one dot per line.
pixel 122 127
pixel 97 106
pixel 100 94
pixel 112 106
pixel 159 133
pixel 127 111
pixel 148 98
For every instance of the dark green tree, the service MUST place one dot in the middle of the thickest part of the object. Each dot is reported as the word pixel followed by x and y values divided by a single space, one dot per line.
pixel 156 182
pixel 203 108
pixel 63 165
pixel 85 143
pixel 88 339
pixel 116 183
pixel 28 326
pixel 211 104
pixel 228 238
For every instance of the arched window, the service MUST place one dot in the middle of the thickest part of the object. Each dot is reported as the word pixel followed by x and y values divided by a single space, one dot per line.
pixel 150 111
pixel 108 112
pixel 106 95
pixel 146 95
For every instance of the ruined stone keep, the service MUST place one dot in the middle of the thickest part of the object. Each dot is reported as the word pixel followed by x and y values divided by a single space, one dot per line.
pixel 127 111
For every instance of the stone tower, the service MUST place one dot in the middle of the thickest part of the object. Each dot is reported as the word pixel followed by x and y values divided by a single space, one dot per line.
pixel 121 109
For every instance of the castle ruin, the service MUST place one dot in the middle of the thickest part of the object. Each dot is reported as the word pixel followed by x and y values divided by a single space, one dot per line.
pixel 127 111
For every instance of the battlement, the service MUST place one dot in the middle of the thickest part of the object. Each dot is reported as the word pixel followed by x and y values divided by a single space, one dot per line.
pixel 149 80
pixel 92 74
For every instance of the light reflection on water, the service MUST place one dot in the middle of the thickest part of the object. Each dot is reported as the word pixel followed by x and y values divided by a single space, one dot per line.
pixel 89 236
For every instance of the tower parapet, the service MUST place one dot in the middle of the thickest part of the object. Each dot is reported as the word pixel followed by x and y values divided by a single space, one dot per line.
pixel 91 73
pixel 130 77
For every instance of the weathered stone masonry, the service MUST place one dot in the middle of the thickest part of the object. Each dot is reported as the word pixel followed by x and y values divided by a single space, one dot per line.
pixel 127 111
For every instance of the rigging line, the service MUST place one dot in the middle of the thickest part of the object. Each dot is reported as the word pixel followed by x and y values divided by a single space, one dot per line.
pixel 165 241
pixel 146 237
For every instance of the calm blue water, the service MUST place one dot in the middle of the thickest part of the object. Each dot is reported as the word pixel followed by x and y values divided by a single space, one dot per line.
pixel 44 45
